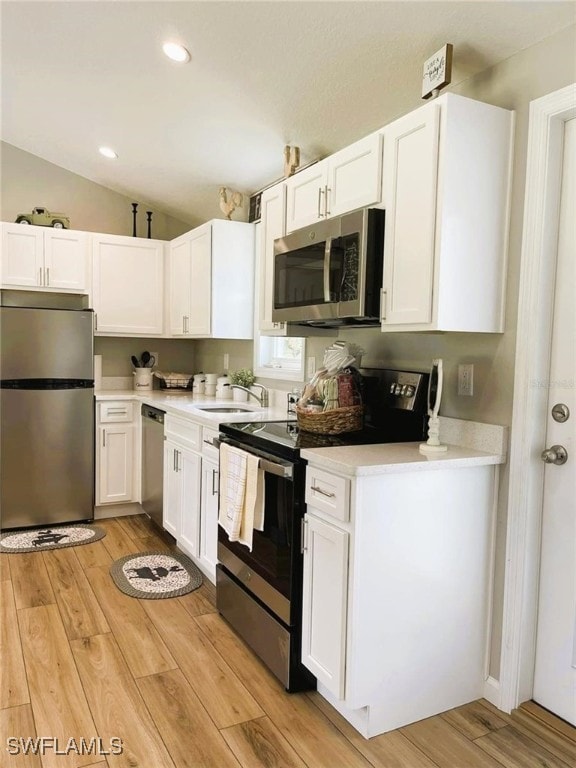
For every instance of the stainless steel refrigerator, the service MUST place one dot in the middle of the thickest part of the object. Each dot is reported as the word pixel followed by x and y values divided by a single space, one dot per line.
pixel 46 409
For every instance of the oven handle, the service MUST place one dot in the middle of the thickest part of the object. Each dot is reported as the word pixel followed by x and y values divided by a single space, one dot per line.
pixel 326 275
pixel 272 467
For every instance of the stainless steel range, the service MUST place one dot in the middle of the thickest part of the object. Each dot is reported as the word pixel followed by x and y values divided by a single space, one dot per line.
pixel 259 592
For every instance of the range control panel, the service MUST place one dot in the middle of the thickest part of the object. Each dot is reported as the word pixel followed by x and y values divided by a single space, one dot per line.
pixel 402 390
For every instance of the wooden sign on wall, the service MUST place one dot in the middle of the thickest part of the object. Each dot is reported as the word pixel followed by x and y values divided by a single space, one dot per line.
pixel 437 71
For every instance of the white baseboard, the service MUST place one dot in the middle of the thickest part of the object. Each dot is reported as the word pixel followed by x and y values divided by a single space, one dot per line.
pixel 117 510
pixel 492 691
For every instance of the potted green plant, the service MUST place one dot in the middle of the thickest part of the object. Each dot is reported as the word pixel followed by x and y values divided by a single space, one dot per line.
pixel 244 377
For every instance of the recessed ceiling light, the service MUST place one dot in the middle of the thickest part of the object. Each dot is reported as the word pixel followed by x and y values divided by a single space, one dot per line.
pixel 107 152
pixel 176 52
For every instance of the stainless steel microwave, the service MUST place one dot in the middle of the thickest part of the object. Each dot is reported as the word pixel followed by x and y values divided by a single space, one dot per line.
pixel 330 274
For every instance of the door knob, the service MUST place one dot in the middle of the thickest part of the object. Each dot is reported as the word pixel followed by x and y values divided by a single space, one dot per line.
pixel 555 455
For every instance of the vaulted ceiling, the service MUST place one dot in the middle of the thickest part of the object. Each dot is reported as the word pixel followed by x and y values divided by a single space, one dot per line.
pixel 319 75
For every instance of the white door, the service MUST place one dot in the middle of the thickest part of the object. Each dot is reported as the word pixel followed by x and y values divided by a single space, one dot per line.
pixel 172 490
pixel 22 256
pixel 306 197
pixel 209 516
pixel 66 259
pixel 188 468
pixel 116 452
pixel 555 668
pixel 355 176
pixel 200 321
pixel 180 282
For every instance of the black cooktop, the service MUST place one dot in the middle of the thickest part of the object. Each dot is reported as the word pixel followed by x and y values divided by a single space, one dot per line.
pixel 394 412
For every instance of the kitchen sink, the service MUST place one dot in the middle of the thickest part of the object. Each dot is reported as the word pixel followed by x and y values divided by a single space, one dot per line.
pixel 224 409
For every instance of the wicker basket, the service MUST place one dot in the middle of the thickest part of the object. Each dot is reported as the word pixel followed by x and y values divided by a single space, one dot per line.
pixel 332 422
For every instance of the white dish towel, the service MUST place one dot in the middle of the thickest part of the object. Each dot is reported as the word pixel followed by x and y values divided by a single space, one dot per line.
pixel 241 494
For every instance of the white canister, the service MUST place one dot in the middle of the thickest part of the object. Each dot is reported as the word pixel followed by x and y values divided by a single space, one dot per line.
pixel 198 384
pixel 143 379
pixel 210 389
pixel 223 392
pixel 211 379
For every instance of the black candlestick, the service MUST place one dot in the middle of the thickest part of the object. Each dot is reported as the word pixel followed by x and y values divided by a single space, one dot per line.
pixel 134 209
pixel 149 218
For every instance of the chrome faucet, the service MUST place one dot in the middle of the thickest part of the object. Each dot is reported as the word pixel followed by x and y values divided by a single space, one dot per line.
pixel 263 398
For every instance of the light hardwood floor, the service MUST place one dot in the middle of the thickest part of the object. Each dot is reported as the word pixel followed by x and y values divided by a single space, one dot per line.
pixel 79 659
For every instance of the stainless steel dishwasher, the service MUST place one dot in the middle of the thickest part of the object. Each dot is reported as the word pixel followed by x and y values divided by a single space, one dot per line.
pixel 152 462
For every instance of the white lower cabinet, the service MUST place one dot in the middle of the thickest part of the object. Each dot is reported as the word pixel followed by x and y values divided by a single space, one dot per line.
pixel 116 457
pixel 396 593
pixel 324 601
pixel 191 490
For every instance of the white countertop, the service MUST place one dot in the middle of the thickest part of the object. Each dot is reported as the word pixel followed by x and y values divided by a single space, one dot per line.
pixel 361 460
pixel 190 406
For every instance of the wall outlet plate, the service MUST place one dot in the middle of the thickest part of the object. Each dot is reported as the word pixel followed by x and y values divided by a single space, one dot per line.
pixel 466 379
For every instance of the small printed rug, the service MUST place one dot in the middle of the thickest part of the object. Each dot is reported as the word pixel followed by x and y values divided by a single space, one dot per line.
pixel 154 575
pixel 50 537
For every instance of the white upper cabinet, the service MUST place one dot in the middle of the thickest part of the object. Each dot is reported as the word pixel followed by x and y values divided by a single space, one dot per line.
pixel 43 258
pixel 347 180
pixel 272 226
pixel 128 285
pixel 446 191
pixel 211 281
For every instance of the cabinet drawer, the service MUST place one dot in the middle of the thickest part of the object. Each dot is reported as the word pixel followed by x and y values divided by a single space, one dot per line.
pixel 116 411
pixel 208 449
pixel 182 431
pixel 328 492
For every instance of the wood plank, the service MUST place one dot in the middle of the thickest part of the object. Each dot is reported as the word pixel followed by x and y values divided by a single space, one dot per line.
pixel 93 554
pixel 259 744
pixel 196 603
pixel 538 712
pixel 116 543
pixel 5 566
pixel 474 720
pixel 187 731
pixel 13 683
pixel 18 723
pixel 446 746
pixel 143 648
pixel 118 708
pixel 58 701
pixel 228 701
pixel 392 749
pixel 30 580
pixel 554 741
pixel 314 738
pixel 79 609
pixel 135 526
pixel 152 542
pixel 515 750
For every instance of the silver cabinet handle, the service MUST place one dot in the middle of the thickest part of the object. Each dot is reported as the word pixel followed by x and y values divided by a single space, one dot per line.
pixel 303 542
pixel 320 193
pixel 174 464
pixel 95 321
pixel 324 493
pixel 103 438
pixel 214 476
pixel 47 275
pixel 116 410
pixel 40 282
pixel 185 319
pixel 183 324
pixel 383 297
pixel 326 208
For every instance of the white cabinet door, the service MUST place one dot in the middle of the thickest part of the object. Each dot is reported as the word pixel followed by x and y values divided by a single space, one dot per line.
pixel 410 190
pixel 188 470
pixel 42 258
pixel 22 256
pixel 324 603
pixel 180 285
pixel 354 176
pixel 128 280
pixel 115 463
pixel 273 207
pixel 172 492
pixel 209 516
pixel 305 196
pixel 66 257
pixel 199 323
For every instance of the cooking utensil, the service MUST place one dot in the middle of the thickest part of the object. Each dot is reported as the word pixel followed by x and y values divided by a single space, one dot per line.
pixel 145 358
pixel 135 361
pixel 151 362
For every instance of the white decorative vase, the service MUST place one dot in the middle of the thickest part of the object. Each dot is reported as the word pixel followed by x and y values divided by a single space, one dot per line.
pixel 239 395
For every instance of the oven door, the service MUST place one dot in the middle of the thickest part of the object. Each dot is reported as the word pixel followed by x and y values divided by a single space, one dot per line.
pixel 270 570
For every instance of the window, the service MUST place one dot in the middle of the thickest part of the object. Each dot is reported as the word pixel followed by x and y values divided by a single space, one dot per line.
pixel 279 357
